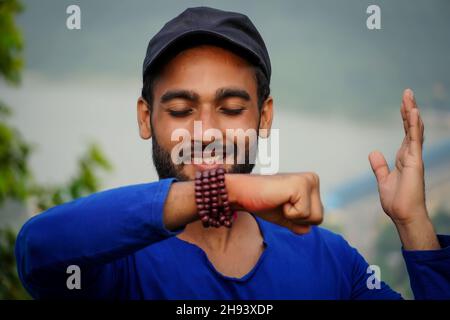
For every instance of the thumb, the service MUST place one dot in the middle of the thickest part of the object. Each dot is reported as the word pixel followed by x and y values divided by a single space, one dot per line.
pixel 379 165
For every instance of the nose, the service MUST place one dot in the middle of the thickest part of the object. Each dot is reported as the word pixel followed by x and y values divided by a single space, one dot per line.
pixel 208 118
pixel 208 125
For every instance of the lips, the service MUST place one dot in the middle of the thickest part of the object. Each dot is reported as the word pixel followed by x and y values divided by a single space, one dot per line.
pixel 212 158
pixel 207 162
pixel 202 167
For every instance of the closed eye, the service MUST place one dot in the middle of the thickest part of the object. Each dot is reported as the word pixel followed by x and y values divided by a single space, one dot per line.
pixel 232 111
pixel 180 113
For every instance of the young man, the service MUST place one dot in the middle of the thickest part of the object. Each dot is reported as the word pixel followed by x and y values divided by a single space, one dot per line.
pixel 146 241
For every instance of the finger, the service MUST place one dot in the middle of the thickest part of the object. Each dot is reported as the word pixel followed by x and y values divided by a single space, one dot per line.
pixel 408 103
pixel 379 165
pixel 404 117
pixel 401 153
pixel 415 134
pixel 421 128
pixel 316 216
pixel 297 211
pixel 409 100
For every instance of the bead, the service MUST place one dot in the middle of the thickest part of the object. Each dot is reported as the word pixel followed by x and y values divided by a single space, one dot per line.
pixel 211 198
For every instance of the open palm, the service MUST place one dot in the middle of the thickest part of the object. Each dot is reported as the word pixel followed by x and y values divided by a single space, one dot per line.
pixel 402 191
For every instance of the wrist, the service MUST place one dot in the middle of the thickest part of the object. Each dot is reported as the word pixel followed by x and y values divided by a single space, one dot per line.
pixel 233 182
pixel 417 234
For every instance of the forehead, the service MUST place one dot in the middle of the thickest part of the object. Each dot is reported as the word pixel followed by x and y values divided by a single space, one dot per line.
pixel 204 69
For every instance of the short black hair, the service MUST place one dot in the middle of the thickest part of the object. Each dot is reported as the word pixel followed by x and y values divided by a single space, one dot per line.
pixel 150 77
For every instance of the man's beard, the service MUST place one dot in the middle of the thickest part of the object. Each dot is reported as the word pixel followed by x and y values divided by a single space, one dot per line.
pixel 167 169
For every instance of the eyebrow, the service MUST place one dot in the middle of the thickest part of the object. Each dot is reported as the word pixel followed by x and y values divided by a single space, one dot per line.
pixel 179 94
pixel 221 93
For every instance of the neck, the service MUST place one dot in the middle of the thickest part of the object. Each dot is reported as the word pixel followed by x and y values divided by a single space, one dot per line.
pixel 219 239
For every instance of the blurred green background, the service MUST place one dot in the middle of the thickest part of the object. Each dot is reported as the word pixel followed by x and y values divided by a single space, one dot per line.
pixel 68 105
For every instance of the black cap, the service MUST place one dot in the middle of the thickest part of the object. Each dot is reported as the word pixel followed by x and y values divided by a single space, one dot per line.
pixel 200 25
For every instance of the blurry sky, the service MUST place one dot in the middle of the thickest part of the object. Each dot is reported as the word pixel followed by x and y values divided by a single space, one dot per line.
pixel 337 85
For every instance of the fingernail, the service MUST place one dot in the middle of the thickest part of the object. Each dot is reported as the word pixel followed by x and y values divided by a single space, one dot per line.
pixel 411 93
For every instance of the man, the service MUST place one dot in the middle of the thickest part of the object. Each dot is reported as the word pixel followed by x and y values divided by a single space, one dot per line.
pixel 147 242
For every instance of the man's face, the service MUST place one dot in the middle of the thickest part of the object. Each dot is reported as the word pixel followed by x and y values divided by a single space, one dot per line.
pixel 207 84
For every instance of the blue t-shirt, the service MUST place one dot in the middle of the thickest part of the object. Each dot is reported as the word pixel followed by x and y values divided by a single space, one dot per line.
pixel 123 251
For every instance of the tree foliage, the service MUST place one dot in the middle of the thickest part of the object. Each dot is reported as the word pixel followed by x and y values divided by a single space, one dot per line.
pixel 17 182
pixel 11 42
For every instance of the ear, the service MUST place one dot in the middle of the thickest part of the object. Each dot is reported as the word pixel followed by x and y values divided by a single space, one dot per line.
pixel 143 117
pixel 265 120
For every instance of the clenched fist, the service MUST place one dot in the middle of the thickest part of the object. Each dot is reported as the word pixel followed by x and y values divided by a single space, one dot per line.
pixel 290 200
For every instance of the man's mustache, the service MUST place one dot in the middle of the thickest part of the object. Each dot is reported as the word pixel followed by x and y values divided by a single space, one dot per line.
pixel 221 150
pixel 198 148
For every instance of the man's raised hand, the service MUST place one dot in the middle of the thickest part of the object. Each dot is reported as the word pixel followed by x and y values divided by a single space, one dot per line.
pixel 402 189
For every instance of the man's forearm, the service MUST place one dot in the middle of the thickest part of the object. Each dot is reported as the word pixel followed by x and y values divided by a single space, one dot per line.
pixel 92 230
pixel 180 208
pixel 418 234
pixel 290 200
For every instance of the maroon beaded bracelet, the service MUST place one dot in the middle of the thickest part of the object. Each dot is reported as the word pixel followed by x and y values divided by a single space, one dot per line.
pixel 211 198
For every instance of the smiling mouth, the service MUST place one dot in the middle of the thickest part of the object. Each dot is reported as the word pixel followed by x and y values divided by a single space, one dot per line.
pixel 204 159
